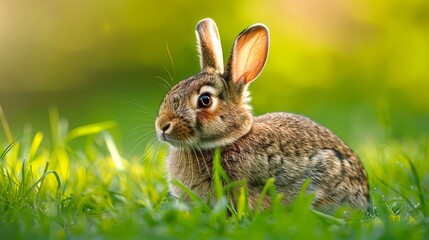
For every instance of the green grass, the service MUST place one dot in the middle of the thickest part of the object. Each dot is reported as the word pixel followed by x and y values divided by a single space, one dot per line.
pixel 53 187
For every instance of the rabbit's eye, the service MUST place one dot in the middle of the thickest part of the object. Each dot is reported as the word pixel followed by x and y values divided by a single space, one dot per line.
pixel 204 101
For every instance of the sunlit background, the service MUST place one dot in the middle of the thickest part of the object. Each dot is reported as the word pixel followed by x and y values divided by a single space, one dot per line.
pixel 359 67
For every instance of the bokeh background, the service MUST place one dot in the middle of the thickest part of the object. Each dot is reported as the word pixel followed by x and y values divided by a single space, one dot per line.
pixel 359 67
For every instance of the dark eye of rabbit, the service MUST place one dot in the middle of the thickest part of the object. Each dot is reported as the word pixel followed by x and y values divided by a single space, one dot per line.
pixel 204 101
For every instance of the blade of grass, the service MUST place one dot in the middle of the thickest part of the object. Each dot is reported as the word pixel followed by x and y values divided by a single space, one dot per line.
pixel 414 176
pixel 219 175
pixel 21 186
pixel 391 188
pixel 8 148
pixel 42 178
pixel 230 186
pixel 45 169
pixel 242 204
pixel 90 129
pixel 37 140
pixel 55 125
pixel 114 153
pixel 328 218
pixel 193 196
pixel 268 185
pixel 10 179
pixel 6 127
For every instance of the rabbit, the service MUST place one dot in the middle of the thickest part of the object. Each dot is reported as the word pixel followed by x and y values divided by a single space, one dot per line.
pixel 211 110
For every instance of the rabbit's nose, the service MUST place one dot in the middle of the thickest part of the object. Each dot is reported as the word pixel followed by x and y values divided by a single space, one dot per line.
pixel 163 123
pixel 166 126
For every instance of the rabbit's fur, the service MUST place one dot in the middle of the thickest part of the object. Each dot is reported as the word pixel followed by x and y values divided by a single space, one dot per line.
pixel 210 110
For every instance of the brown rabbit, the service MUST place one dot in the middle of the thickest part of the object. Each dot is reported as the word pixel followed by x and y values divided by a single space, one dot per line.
pixel 210 110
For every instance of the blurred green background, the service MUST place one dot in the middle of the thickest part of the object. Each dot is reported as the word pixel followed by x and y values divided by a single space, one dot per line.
pixel 360 68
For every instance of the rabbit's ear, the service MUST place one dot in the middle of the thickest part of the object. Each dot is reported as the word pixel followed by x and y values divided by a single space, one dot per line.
pixel 249 54
pixel 209 46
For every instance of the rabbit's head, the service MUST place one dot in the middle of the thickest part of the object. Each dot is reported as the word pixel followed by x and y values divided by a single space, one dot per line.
pixel 211 108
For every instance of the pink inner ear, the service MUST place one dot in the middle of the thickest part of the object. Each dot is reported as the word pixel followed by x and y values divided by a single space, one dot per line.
pixel 250 54
pixel 243 78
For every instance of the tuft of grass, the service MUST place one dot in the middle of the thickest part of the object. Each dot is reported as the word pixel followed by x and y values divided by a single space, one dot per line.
pixel 78 185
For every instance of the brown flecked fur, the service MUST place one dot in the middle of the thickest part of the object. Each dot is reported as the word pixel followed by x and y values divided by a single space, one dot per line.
pixel 287 147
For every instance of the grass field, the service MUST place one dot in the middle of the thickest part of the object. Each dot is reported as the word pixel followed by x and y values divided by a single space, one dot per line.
pixel 92 168
pixel 74 184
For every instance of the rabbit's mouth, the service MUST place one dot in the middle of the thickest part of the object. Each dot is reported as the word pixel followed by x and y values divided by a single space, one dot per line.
pixel 165 137
pixel 175 141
